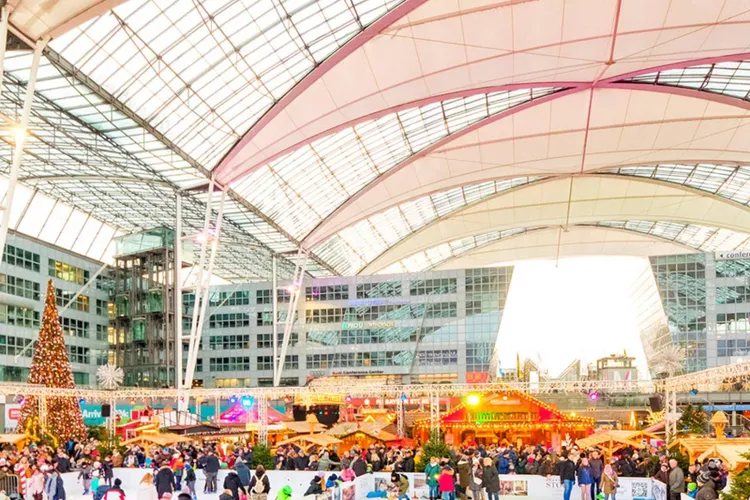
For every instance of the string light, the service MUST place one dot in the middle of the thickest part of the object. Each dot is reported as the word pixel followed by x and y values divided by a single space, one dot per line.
pixel 50 367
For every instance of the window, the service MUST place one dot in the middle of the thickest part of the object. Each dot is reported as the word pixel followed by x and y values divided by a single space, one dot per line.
pixel 74 327
pixel 265 318
pixel 15 256
pixel 106 284
pixel 62 297
pixel 265 340
pixel 291 362
pixel 102 308
pixel 229 342
pixel 239 298
pixel 13 346
pixel 67 272
pixel 379 290
pixel 263 296
pixel 263 363
pixel 13 374
pixel 102 333
pixel 359 359
pixel 325 293
pixel 437 357
pixel 229 320
pixel 19 287
pixel 283 382
pixel 433 286
pixel 229 364
pixel 78 354
pixel 230 383
pixel 19 316
pixel 81 378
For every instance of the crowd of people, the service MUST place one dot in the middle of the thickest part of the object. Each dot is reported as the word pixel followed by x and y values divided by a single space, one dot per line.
pixel 470 471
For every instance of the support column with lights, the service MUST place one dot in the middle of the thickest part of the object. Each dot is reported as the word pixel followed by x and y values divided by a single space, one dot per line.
pixel 262 403
pixel 20 132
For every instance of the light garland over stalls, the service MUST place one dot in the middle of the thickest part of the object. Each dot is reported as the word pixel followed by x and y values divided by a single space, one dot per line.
pixel 711 379
pixel 60 416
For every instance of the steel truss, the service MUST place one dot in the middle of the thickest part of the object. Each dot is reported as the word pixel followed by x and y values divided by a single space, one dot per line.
pixel 707 380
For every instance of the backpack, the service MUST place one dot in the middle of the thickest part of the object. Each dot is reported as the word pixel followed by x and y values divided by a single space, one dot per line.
pixel 259 487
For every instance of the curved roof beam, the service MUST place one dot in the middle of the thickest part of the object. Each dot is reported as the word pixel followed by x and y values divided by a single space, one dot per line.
pixel 565 201
pixel 627 127
pixel 445 46
pixel 300 190
pixel 554 242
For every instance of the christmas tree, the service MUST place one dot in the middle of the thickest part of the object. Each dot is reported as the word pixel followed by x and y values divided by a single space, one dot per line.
pixel 50 367
pixel 740 484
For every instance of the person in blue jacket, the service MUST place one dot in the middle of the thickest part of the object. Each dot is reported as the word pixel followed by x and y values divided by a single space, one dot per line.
pixel 585 478
pixel 503 464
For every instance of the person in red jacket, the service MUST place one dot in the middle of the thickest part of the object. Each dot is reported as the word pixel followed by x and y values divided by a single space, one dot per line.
pixel 446 484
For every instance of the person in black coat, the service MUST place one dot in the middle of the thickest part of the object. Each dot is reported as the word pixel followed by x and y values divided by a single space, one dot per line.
pixel 316 485
pixel 164 480
pixel 232 483
pixel 358 466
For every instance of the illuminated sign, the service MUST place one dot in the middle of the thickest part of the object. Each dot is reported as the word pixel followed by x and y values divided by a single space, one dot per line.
pixel 359 325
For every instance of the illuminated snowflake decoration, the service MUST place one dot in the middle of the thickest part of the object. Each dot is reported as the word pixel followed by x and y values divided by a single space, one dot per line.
pixel 109 376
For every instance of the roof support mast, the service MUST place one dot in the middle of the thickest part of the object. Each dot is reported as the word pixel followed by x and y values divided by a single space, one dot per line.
pixel 20 129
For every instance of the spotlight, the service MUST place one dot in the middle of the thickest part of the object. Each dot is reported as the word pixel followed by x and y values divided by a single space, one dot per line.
pixel 593 396
pixel 348 398
pixel 472 399
pixel 247 402
pixel 693 391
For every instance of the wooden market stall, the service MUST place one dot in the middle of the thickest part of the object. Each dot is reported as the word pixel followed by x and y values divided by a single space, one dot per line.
pixel 509 416
pixel 362 434
pixel 307 441
pixel 610 441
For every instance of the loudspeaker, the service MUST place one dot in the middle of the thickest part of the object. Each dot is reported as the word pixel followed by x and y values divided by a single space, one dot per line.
pixel 656 403
pixel 106 411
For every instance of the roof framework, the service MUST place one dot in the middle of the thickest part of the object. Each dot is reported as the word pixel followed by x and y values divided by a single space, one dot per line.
pixel 371 132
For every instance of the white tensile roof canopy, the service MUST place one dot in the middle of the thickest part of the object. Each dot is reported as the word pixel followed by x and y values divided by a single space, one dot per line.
pixel 389 136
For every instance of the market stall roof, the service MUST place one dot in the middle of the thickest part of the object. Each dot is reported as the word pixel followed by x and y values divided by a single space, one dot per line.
pixel 12 438
pixel 615 439
pixel 731 453
pixel 161 439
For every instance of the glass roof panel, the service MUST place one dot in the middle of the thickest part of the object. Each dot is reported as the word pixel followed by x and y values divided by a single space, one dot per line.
pixel 203 72
pixel 433 257
pixel 703 238
pixel 731 78
pixel 363 242
pixel 80 157
pixel 728 181
pixel 299 190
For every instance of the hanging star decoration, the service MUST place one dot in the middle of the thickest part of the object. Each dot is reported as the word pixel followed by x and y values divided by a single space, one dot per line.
pixel 109 376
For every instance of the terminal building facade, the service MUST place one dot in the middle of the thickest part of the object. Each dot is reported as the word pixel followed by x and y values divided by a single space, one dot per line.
pixel 26 267
pixel 429 327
